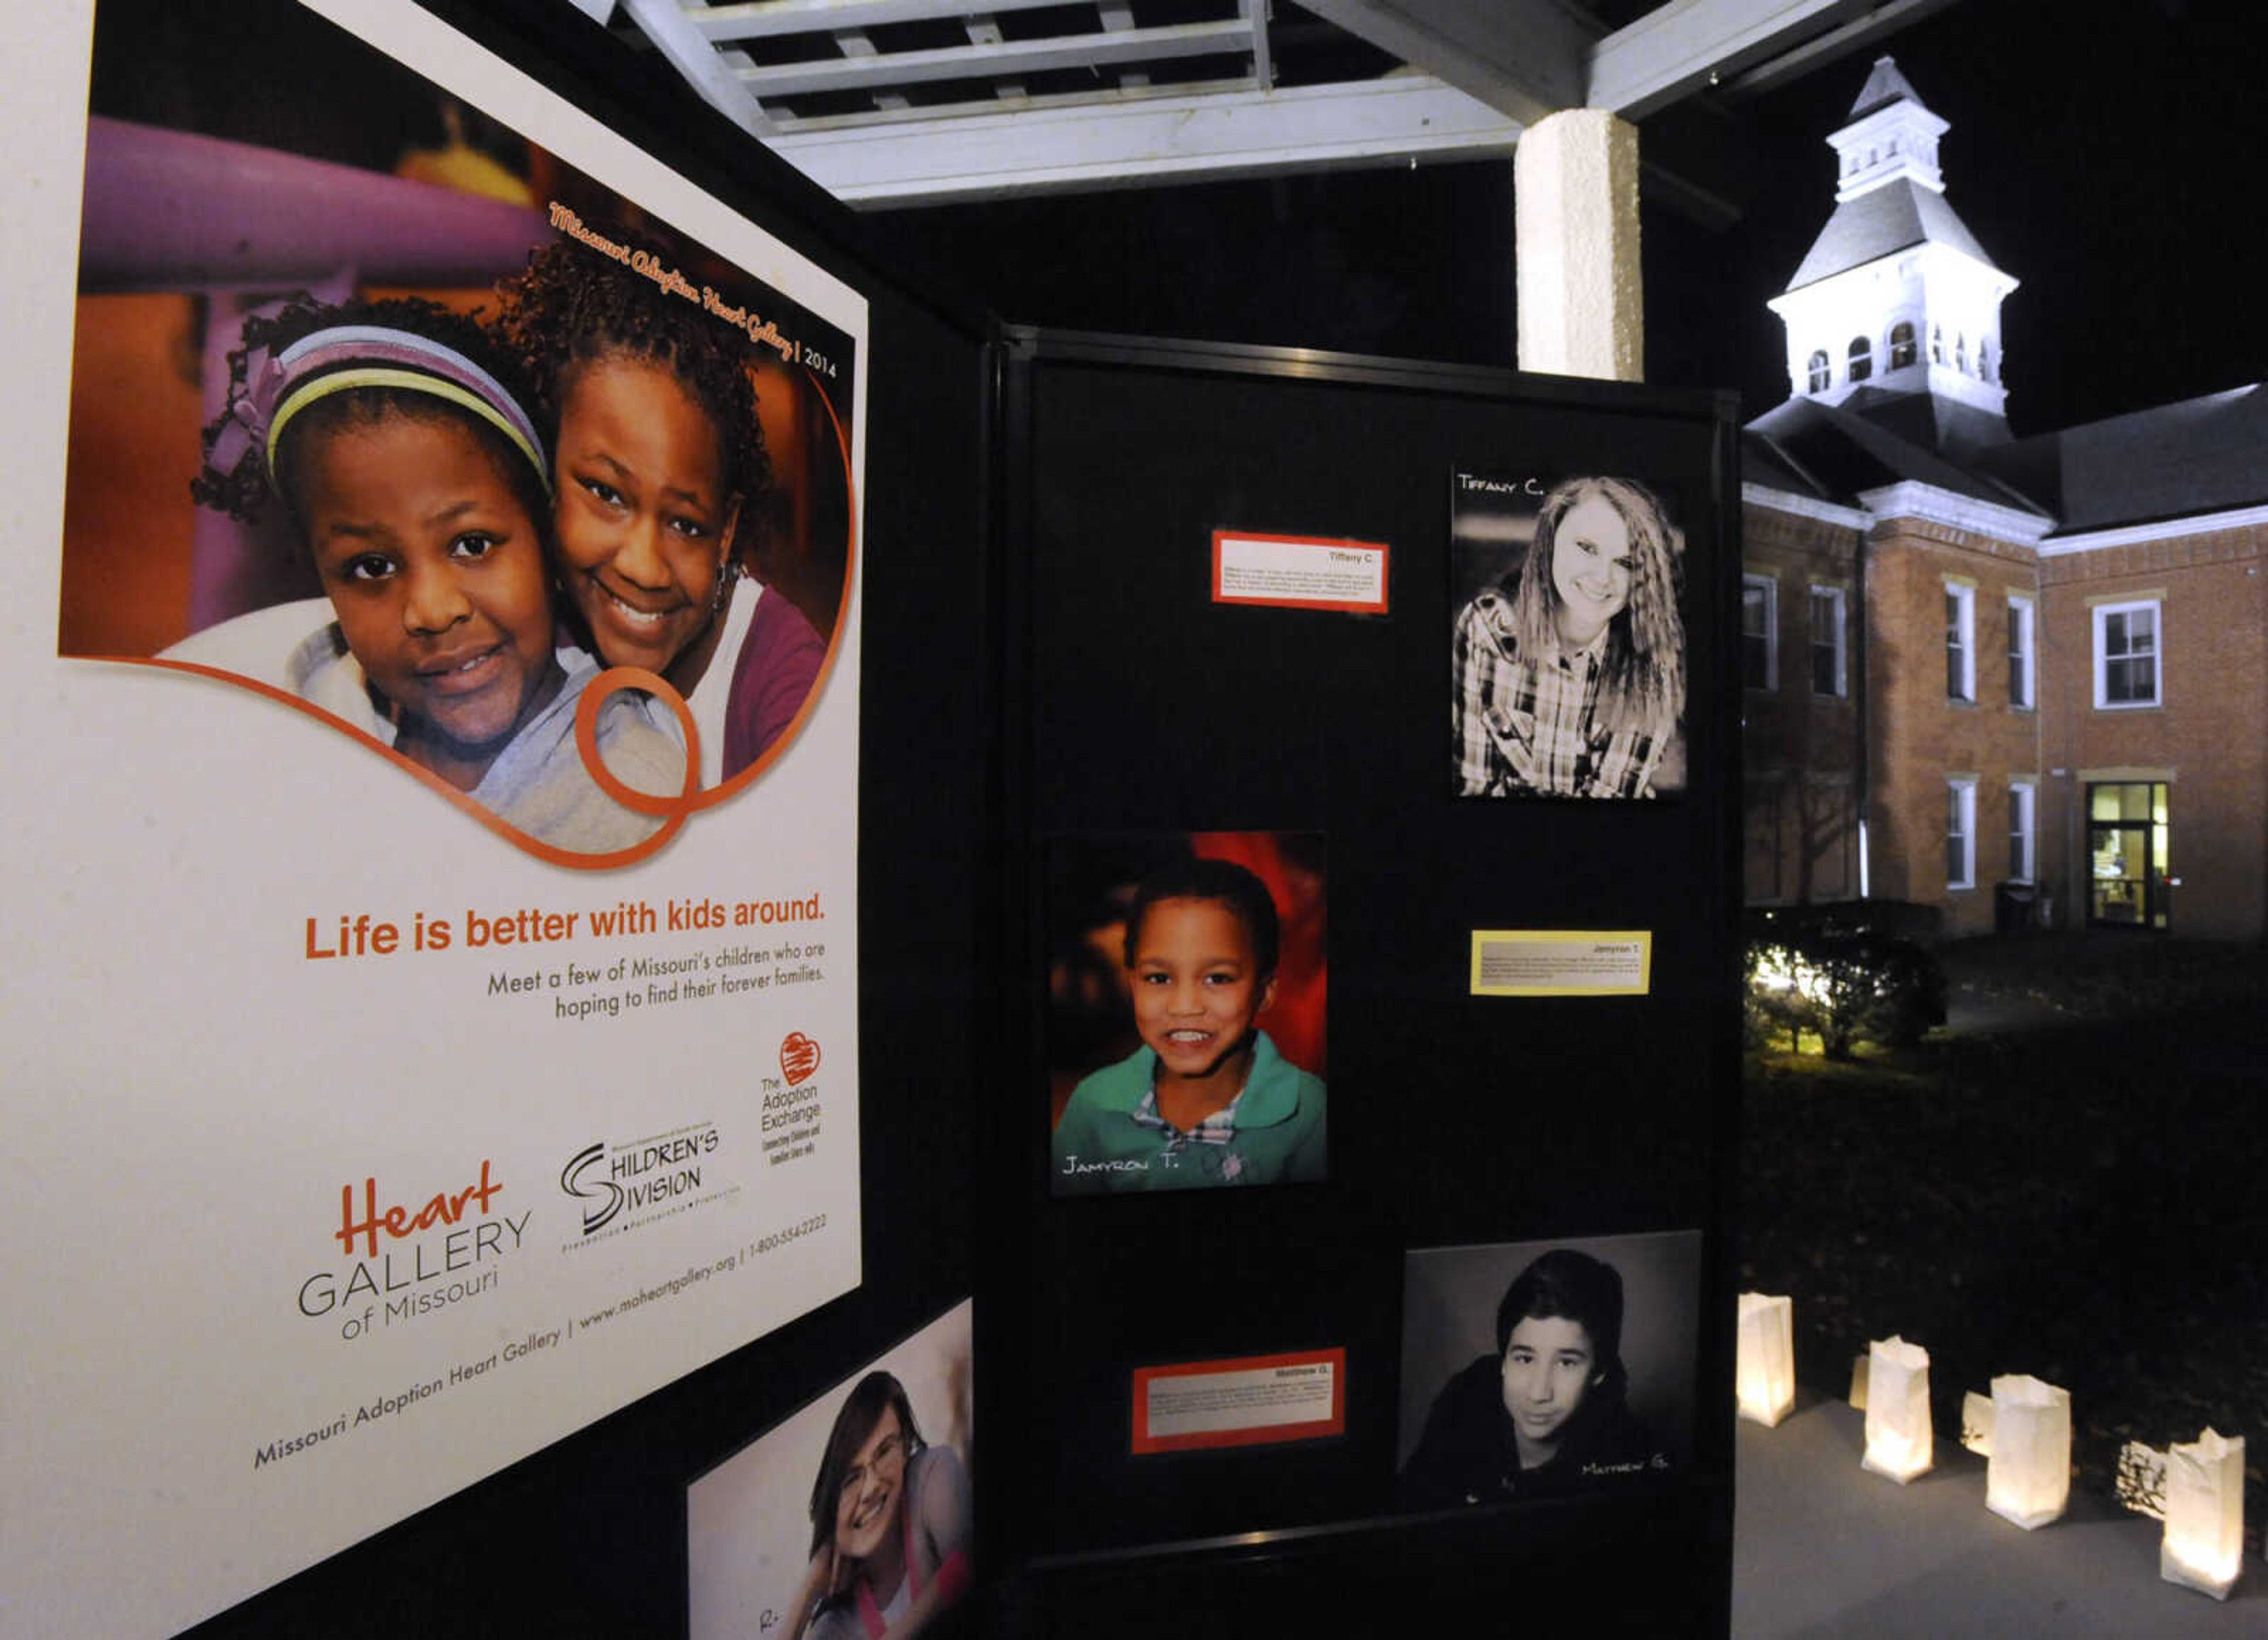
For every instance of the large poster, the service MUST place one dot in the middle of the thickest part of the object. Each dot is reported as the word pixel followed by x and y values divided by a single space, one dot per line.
pixel 428 1018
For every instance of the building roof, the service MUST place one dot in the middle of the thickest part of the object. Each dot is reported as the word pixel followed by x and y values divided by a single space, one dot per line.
pixel 2185 459
pixel 1836 455
pixel 1935 421
pixel 2174 461
pixel 1885 85
pixel 1880 223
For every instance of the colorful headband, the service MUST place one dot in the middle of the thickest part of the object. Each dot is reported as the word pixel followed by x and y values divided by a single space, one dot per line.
pixel 343 357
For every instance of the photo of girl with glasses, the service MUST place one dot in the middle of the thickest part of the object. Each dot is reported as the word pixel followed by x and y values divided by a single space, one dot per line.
pixel 889 1524
pixel 1569 668
pixel 850 1517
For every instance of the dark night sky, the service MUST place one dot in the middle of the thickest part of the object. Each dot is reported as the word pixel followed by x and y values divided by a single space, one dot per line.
pixel 2105 153
pixel 2108 153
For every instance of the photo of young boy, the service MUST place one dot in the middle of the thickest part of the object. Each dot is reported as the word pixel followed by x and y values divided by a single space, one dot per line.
pixel 1536 1369
pixel 1187 992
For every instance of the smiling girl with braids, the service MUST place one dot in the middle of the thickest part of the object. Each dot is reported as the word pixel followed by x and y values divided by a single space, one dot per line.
pixel 663 481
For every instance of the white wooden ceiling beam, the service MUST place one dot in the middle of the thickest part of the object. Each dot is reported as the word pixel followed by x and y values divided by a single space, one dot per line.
pixel 1884 19
pixel 1523 57
pixel 665 23
pixel 1255 18
pixel 1160 139
pixel 1006 59
pixel 772 19
pixel 1004 100
pixel 1676 48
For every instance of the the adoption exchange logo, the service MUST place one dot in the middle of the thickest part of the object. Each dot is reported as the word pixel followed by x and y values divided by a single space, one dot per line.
pixel 799 1058
pixel 608 1181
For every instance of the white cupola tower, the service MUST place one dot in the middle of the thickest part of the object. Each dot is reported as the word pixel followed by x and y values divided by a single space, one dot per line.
pixel 1895 311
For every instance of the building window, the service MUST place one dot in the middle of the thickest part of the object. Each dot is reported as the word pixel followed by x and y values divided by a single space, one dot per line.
pixel 1937 344
pixel 1985 359
pixel 1862 358
pixel 2126 651
pixel 1828 672
pixel 2020 652
pixel 1759 632
pixel 1822 373
pixel 1961 832
pixel 2022 804
pixel 2128 839
pixel 1959 642
pixel 1903 351
pixel 1961 351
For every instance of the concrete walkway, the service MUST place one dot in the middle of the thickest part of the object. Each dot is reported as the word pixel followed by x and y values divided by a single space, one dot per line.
pixel 1823 1550
pixel 1972 1010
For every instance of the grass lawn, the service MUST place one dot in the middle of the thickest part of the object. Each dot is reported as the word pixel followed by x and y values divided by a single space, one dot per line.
pixel 2068 1181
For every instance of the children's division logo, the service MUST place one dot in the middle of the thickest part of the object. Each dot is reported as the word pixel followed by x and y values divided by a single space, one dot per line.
pixel 608 1181
pixel 799 1058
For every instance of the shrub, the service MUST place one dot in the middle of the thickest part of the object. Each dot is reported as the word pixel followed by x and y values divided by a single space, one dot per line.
pixel 1845 982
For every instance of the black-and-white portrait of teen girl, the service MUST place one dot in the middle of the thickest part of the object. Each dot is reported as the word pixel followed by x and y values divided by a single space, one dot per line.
pixel 1539 1369
pixel 1567 672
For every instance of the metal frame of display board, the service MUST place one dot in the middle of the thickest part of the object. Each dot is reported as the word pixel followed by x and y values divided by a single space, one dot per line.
pixel 1141 706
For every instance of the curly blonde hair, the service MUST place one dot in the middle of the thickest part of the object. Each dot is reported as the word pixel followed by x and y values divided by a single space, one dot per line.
pixel 1643 687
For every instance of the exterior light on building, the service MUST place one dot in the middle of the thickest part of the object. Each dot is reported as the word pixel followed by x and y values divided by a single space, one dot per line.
pixel 2027 1477
pixel 1764 1371
pixel 2205 1514
pixel 1900 1442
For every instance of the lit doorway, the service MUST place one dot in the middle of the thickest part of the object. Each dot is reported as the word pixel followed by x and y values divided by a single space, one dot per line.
pixel 2128 835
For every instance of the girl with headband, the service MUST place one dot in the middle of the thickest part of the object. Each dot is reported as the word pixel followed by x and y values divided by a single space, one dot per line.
pixel 419 488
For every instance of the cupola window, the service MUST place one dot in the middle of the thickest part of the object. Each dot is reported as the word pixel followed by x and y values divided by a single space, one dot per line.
pixel 1862 358
pixel 1903 351
pixel 1820 372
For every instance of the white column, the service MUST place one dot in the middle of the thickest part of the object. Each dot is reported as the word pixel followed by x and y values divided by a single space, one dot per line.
pixel 1575 180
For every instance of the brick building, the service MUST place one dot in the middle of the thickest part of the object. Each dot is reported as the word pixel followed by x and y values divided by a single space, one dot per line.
pixel 1998 676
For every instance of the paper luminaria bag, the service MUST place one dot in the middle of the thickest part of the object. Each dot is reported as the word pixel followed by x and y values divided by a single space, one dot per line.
pixel 1765 1369
pixel 1977 1424
pixel 2028 1472
pixel 1900 1442
pixel 2204 1544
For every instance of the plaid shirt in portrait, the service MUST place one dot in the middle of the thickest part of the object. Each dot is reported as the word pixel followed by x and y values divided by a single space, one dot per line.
pixel 1217 1128
pixel 1526 725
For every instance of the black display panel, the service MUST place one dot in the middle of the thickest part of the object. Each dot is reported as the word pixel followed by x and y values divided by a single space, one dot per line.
pixel 1141 703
